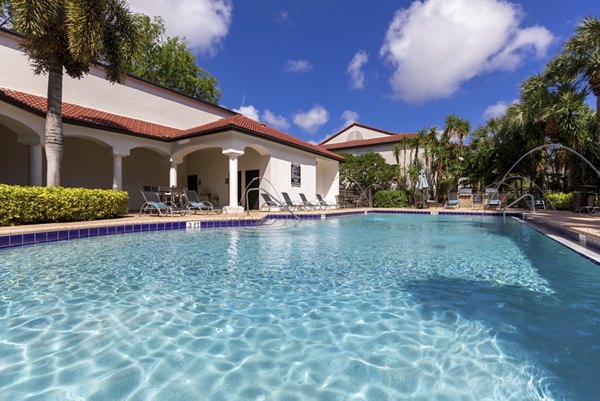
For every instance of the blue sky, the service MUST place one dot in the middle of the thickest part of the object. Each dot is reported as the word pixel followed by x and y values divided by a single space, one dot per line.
pixel 308 67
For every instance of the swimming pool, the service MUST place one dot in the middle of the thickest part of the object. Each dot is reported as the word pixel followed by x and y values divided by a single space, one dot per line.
pixel 376 307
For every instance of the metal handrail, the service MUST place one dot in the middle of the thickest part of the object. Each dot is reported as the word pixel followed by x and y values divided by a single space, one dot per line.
pixel 519 199
pixel 248 190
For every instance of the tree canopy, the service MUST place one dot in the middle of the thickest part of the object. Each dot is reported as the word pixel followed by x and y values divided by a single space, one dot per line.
pixel 169 62
pixel 369 169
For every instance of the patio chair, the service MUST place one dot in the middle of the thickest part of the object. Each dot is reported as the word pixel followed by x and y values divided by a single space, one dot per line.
pixel 271 202
pixel 192 202
pixel 308 204
pixel 452 202
pixel 325 204
pixel 538 203
pixel 153 203
pixel 465 192
pixel 289 203
pixel 493 198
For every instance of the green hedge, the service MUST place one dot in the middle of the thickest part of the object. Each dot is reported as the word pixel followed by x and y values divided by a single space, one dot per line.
pixel 392 198
pixel 560 200
pixel 33 205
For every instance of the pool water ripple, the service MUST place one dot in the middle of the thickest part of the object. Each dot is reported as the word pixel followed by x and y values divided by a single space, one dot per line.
pixel 373 308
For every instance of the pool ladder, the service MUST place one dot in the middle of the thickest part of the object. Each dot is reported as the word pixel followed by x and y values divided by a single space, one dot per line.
pixel 248 190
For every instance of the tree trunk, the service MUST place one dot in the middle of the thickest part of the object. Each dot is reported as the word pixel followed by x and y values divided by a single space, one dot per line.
pixel 54 129
pixel 598 118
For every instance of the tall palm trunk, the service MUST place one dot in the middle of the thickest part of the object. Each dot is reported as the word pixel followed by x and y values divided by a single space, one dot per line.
pixel 54 129
pixel 595 84
pixel 598 117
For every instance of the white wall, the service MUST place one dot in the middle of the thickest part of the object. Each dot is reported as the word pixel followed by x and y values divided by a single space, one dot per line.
pixel 387 151
pixel 134 98
pixel 328 180
pixel 365 132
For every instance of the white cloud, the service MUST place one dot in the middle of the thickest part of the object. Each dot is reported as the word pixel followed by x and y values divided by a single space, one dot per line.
pixel 205 23
pixel 311 120
pixel 349 117
pixel 497 110
pixel 357 75
pixel 282 15
pixel 535 39
pixel 436 45
pixel 248 111
pixel 298 66
pixel 275 121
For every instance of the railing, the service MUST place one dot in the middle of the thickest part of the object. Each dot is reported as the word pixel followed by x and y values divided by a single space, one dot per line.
pixel 245 202
pixel 518 200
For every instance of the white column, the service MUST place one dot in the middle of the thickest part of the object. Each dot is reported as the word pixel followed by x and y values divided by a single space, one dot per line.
pixel 173 174
pixel 233 206
pixel 35 165
pixel 117 172
pixel 233 181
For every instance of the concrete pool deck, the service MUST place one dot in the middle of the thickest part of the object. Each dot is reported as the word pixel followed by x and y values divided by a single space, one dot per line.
pixel 582 229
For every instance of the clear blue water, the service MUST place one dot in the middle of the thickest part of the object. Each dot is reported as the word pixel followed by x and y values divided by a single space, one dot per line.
pixel 358 308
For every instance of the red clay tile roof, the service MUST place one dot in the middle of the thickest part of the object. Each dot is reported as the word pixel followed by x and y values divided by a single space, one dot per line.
pixel 253 127
pixel 81 115
pixel 355 124
pixel 369 142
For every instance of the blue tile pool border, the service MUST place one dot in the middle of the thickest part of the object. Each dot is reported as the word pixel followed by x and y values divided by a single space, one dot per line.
pixel 18 240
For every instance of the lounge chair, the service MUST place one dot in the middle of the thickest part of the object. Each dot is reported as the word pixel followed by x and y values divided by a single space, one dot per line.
pixel 493 198
pixel 153 203
pixel 308 204
pixel 288 201
pixel 452 201
pixel 270 202
pixel 325 204
pixel 192 202
pixel 465 192
pixel 538 203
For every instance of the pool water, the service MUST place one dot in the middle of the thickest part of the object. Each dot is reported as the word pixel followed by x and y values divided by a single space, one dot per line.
pixel 376 307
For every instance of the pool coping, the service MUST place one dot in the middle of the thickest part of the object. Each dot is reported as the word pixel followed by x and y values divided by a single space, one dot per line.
pixel 40 234
pixel 582 243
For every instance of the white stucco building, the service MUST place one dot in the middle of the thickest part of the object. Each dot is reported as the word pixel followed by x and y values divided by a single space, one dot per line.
pixel 126 136
pixel 358 139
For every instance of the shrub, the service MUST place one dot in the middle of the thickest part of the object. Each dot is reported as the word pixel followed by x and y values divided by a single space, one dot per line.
pixel 34 205
pixel 391 198
pixel 560 200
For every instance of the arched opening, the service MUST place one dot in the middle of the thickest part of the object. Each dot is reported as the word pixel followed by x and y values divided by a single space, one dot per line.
pixel 252 165
pixel 206 172
pixel 16 142
pixel 86 164
pixel 143 167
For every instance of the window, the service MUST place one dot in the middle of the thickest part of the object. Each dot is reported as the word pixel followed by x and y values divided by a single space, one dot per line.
pixel 296 175
pixel 355 135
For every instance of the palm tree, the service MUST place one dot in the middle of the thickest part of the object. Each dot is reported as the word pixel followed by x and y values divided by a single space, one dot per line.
pixel 70 35
pixel 580 60
pixel 4 13
pixel 396 151
pixel 550 111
